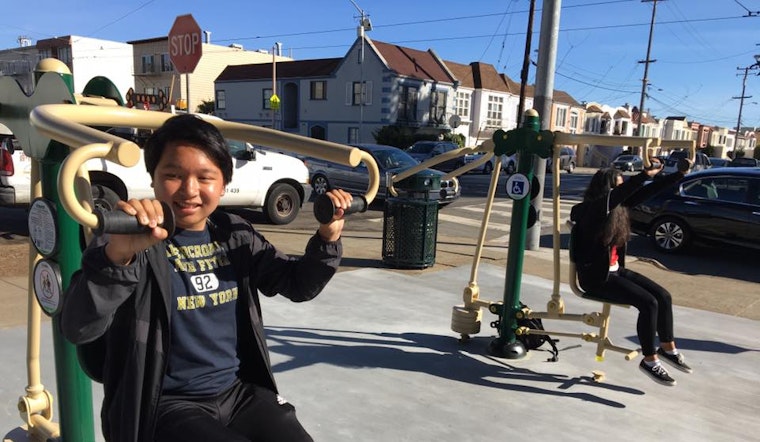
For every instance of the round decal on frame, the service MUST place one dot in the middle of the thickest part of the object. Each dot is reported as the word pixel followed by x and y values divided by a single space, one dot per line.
pixel 47 286
pixel 43 228
pixel 518 186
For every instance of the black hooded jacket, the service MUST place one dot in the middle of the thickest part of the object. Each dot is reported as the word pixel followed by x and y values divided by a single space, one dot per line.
pixel 118 316
pixel 591 255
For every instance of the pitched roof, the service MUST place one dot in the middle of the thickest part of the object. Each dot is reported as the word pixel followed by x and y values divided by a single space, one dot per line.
pixel 462 72
pixel 423 65
pixel 321 67
pixel 486 77
pixel 564 98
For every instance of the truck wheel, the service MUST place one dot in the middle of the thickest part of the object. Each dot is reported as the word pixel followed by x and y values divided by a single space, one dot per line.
pixel 320 184
pixel 104 198
pixel 283 204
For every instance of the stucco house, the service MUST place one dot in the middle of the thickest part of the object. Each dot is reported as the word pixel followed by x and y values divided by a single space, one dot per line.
pixel 343 99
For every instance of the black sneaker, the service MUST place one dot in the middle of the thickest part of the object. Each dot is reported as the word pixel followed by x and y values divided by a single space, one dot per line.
pixel 658 373
pixel 677 360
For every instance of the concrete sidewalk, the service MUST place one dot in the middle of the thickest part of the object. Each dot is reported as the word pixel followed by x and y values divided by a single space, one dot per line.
pixel 373 358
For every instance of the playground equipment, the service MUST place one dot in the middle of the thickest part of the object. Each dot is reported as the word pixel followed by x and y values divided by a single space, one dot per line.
pixel 466 319
pixel 60 139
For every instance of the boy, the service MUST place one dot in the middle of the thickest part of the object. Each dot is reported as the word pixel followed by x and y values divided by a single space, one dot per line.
pixel 178 318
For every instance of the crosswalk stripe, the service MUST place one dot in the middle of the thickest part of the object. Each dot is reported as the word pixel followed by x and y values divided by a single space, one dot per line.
pixel 471 222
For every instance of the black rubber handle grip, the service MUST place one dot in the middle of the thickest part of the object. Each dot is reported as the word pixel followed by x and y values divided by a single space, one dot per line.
pixel 116 221
pixel 324 208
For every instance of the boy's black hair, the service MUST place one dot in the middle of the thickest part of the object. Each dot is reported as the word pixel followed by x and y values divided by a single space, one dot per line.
pixel 195 131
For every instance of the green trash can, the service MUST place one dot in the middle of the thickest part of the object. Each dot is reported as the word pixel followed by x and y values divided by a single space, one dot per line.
pixel 410 222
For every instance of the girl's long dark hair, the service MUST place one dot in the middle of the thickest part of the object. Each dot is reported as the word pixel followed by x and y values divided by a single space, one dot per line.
pixel 617 226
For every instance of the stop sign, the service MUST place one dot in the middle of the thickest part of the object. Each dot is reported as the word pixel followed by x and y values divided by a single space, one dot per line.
pixel 185 45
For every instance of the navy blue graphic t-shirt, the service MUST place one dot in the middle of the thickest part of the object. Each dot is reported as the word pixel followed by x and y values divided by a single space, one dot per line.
pixel 203 357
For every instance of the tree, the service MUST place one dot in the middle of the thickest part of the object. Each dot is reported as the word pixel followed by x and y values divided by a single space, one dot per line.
pixel 206 107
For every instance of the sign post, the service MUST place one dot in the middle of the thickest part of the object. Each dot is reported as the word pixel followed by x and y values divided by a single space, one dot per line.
pixel 185 48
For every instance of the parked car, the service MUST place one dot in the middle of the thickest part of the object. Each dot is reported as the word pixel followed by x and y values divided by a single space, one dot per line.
pixel 744 162
pixel 15 172
pixel 701 161
pixel 424 150
pixel 628 163
pixel 485 168
pixel 566 160
pixel 276 183
pixel 326 175
pixel 719 162
pixel 719 206
pixel 509 163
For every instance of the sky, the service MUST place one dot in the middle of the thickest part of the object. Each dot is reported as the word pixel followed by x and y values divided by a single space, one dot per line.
pixel 701 47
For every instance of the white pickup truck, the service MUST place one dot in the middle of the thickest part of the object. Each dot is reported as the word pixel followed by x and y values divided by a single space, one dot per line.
pixel 276 183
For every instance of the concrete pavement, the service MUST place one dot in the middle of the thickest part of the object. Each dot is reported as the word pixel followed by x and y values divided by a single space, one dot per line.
pixel 373 358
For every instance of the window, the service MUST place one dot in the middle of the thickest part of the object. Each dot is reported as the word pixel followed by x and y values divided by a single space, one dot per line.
pixel 166 63
pixel 495 108
pixel 44 53
pixel 357 95
pixel 266 94
pixel 727 189
pixel 318 90
pixel 561 118
pixel 353 135
pixel 463 104
pixel 64 54
pixel 147 64
pixel 438 107
pixel 221 100
pixel 573 122
pixel 407 104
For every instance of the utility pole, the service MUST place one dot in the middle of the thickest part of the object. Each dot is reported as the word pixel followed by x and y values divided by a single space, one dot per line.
pixel 645 80
pixel 742 97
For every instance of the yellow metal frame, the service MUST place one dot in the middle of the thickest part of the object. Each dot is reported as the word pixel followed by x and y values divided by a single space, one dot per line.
pixel 466 319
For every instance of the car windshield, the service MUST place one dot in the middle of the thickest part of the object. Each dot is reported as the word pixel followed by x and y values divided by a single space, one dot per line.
pixel 393 159
pixel 421 148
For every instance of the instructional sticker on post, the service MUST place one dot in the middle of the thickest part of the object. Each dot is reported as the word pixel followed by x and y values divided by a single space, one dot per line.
pixel 518 186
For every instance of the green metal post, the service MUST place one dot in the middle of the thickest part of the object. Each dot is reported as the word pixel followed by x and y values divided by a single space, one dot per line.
pixel 526 141
pixel 74 387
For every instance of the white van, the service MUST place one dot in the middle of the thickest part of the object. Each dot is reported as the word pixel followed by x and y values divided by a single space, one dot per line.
pixel 276 183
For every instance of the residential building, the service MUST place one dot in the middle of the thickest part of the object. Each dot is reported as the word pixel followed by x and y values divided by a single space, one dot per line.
pixel 345 100
pixel 676 128
pixel 605 120
pixel 156 80
pixel 722 140
pixel 86 58
pixel 485 101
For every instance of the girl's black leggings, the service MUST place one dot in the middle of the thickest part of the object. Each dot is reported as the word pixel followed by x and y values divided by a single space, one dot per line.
pixel 654 303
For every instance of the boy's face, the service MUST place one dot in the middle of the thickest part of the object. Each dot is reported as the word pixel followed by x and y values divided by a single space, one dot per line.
pixel 192 184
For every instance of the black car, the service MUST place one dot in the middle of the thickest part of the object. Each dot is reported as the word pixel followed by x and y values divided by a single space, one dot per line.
pixel 326 175
pixel 744 162
pixel 425 150
pixel 719 206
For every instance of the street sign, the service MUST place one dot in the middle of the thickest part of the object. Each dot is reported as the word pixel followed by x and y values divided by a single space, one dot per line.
pixel 274 102
pixel 185 44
